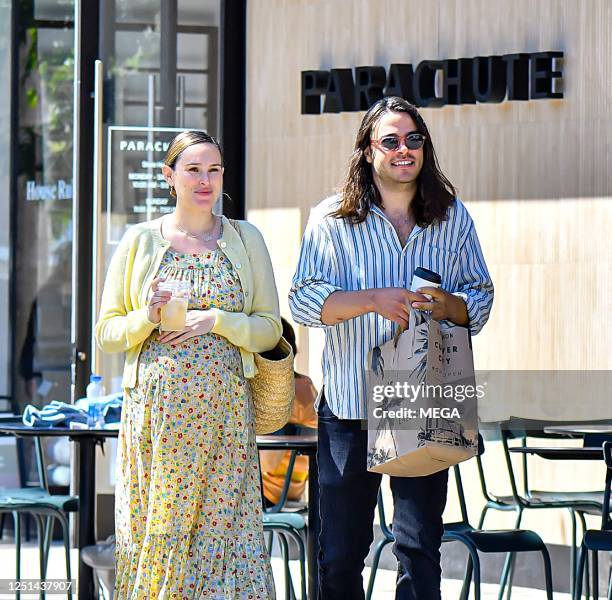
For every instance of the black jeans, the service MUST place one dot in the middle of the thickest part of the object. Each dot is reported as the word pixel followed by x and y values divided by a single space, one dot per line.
pixel 348 494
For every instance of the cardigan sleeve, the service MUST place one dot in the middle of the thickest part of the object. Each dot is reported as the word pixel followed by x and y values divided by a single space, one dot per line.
pixel 121 325
pixel 260 330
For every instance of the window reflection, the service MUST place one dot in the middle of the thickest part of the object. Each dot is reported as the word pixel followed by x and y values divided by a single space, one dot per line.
pixel 161 71
pixel 146 87
pixel 44 203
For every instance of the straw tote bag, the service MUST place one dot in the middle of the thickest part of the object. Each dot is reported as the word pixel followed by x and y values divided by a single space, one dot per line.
pixel 273 388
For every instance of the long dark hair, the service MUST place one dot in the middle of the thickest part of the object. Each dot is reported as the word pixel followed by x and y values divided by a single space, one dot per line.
pixel 435 193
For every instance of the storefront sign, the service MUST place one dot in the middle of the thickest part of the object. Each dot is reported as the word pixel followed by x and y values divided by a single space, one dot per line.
pixel 60 190
pixel 435 83
pixel 136 190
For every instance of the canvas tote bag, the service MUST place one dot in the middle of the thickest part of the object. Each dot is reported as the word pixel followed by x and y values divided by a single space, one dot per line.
pixel 412 434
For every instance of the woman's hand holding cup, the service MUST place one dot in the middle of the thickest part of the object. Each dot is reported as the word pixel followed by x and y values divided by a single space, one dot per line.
pixel 158 299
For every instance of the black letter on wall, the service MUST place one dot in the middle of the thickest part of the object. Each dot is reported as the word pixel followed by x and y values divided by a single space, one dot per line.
pixel 340 96
pixel 314 84
pixel 542 75
pixel 400 82
pixel 425 84
pixel 518 76
pixel 489 75
pixel 458 81
pixel 369 84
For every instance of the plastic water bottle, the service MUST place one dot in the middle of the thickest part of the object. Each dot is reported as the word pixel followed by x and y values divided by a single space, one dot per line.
pixel 95 390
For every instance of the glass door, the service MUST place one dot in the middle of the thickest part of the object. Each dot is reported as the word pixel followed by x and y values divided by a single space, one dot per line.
pixel 158 74
pixel 42 203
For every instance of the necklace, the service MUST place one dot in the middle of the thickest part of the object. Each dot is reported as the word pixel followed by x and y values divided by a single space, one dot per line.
pixel 206 237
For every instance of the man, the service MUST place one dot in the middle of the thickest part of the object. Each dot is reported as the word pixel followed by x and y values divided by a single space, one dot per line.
pixel 396 211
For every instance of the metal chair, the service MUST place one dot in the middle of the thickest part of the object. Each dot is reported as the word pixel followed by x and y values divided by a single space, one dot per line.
pixel 288 525
pixel 43 507
pixel 523 497
pixel 387 538
pixel 597 540
pixel 475 540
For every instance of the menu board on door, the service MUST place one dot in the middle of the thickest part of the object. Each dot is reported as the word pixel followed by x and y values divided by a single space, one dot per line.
pixel 136 190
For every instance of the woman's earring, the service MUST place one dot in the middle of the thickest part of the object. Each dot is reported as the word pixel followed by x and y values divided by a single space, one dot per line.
pixel 172 190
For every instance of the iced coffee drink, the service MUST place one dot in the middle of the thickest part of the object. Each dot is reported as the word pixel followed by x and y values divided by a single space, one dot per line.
pixel 174 313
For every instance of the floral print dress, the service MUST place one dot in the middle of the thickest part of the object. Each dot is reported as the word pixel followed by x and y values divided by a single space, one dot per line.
pixel 188 503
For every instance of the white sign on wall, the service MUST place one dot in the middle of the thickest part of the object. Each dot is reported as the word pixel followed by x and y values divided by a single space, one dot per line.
pixel 135 187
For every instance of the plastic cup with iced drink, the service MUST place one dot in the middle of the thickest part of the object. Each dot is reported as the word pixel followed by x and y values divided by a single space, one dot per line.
pixel 174 313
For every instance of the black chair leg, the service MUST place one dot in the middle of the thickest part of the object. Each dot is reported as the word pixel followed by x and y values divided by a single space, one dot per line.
pixel 40 534
pixel 269 542
pixel 2 516
pixel 476 565
pixel 587 579
pixel 376 559
pixel 510 577
pixel 27 527
pixel 66 539
pixel 297 538
pixel 577 591
pixel 595 575
pixel 483 514
pixel 508 570
pixel 48 537
pixel 17 530
pixel 467 580
pixel 573 549
pixel 547 573
pixel 285 552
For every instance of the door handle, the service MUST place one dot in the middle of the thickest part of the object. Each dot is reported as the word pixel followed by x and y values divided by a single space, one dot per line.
pixel 98 190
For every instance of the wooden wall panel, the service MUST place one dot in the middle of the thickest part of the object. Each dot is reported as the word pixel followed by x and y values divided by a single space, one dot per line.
pixel 535 175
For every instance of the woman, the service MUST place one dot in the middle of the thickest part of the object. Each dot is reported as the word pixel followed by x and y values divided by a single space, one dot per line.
pixel 188 500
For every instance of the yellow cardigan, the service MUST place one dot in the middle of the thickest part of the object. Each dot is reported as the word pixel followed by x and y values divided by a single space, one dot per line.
pixel 123 325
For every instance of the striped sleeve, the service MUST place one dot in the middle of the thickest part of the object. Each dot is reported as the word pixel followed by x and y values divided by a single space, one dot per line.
pixel 475 285
pixel 316 276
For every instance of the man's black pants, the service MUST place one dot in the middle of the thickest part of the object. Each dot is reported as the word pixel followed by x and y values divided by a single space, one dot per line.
pixel 348 494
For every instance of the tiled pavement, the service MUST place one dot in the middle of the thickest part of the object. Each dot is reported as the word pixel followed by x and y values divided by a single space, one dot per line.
pixel 384 589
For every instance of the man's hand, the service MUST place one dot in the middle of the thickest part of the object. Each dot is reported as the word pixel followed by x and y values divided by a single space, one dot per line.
pixel 394 304
pixel 198 322
pixel 443 306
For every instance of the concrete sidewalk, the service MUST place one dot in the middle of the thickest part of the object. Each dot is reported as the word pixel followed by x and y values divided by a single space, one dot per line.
pixel 383 590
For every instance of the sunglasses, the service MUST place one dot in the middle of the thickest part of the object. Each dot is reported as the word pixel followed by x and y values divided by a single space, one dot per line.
pixel 413 141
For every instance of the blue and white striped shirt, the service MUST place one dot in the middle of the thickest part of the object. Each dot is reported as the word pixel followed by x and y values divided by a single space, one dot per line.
pixel 338 255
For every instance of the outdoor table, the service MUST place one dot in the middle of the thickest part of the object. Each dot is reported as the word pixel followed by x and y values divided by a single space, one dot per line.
pixel 86 440
pixel 579 453
pixel 580 429
pixel 304 444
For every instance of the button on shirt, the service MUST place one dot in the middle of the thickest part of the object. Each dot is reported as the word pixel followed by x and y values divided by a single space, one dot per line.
pixel 338 255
